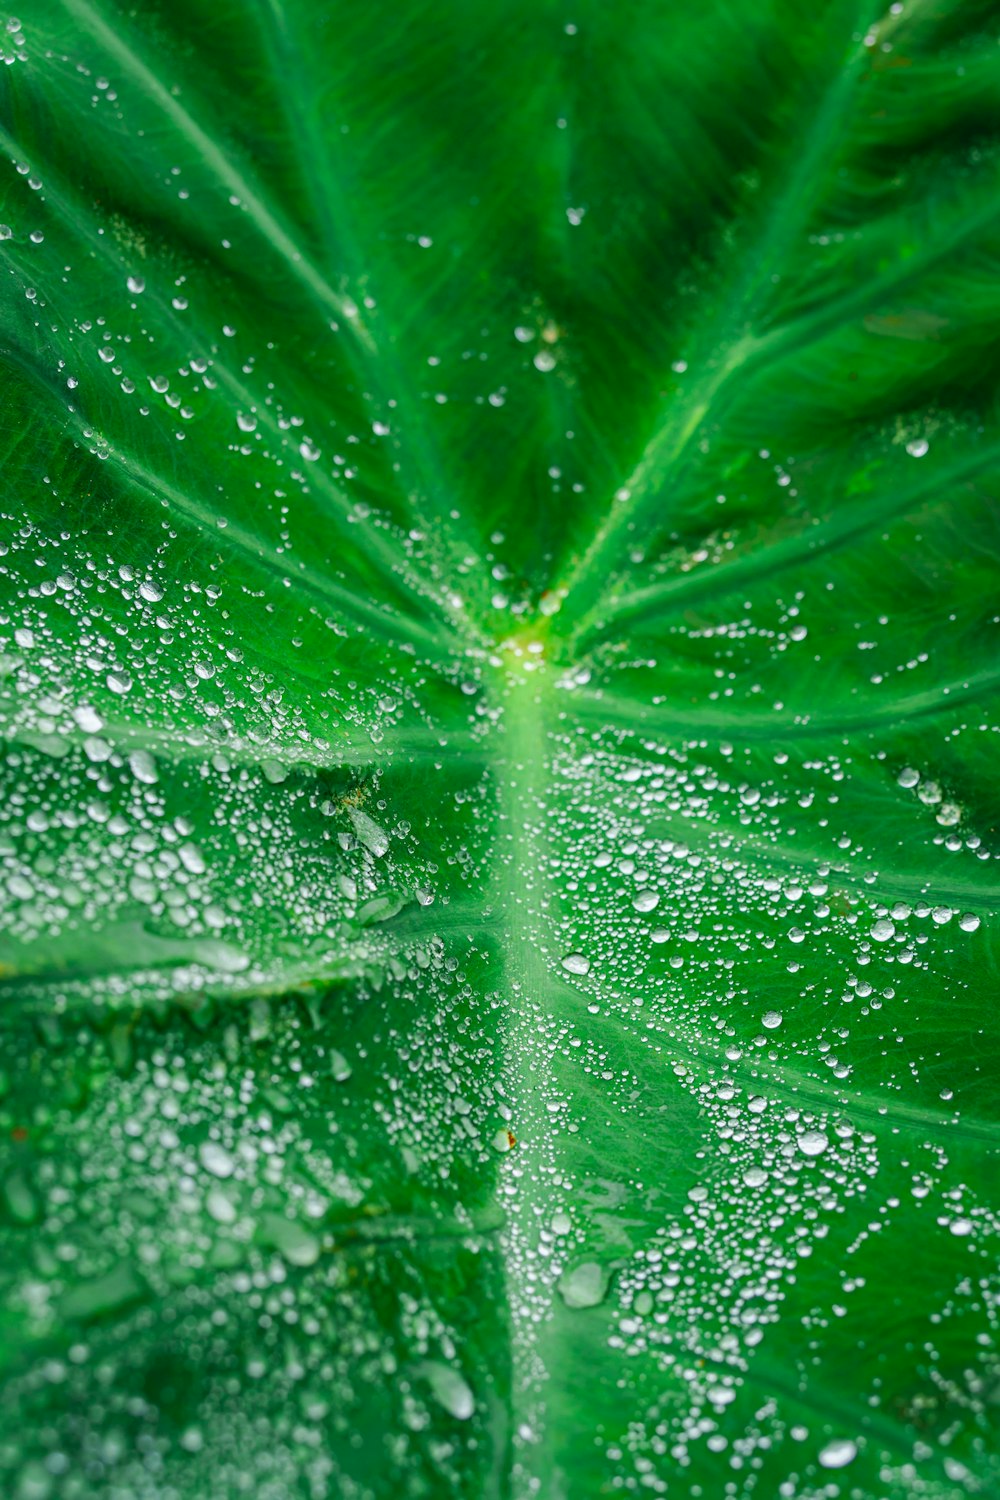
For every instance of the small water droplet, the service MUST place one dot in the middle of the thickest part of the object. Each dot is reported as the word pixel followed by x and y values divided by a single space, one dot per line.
pixel 771 1020
pixel 576 963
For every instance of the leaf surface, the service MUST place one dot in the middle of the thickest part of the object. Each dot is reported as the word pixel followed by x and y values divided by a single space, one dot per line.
pixel 498 674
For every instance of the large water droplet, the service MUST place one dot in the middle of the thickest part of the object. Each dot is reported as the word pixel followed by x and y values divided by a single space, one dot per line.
pixel 449 1389
pixel 838 1453
pixel 585 1285
pixel 216 1159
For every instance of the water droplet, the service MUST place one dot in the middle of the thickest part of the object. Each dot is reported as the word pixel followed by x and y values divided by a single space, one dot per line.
pixel 968 921
pixel 544 360
pixel 576 963
pixel 449 1389
pixel 247 422
pixel 151 592
pixel 523 334
pixel 136 284
pixel 771 1020
pixel 216 1159
pixel 143 767
pixel 585 1285
pixel 721 1395
pixel 292 1241
pixel 813 1143
pixel 838 1454
pixel 646 901
pixel 882 930
pixel 917 447
pixel 340 1068
pixel 374 838
pixel 220 1207
pixel 309 452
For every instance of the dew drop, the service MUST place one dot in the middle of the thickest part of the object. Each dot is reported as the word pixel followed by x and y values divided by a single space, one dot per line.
pixel 143 767
pixel 220 1207
pixel 374 838
pixel 813 1143
pixel 340 1068
pixel 216 1159
pixel 449 1389
pixel 838 1454
pixel 585 1285
pixel 576 963
pixel 646 901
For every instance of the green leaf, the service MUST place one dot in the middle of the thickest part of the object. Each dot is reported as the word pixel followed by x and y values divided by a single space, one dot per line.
pixel 498 673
